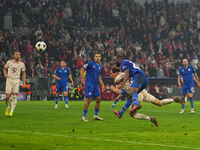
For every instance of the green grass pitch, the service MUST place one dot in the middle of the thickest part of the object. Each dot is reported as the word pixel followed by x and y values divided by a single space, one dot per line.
pixel 37 125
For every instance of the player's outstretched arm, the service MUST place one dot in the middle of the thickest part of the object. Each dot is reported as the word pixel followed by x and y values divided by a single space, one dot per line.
pixel 82 75
pixel 5 72
pixel 101 82
pixel 179 80
pixel 24 78
pixel 72 82
pixel 56 77
pixel 196 79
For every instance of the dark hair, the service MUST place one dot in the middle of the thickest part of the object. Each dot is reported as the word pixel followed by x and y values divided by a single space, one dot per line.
pixel 95 53
pixel 119 56
pixel 62 60
pixel 115 69
pixel 16 52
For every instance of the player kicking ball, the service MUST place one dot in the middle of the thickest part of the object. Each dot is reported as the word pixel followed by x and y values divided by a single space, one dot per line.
pixel 62 74
pixel 188 74
pixel 93 76
pixel 12 71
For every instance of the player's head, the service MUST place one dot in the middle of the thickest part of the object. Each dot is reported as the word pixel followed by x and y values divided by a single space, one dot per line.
pixel 185 62
pixel 114 71
pixel 17 55
pixel 118 60
pixel 97 57
pixel 62 64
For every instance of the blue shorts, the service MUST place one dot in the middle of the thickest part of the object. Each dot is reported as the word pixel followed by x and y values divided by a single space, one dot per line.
pixel 140 81
pixel 92 91
pixel 187 89
pixel 61 88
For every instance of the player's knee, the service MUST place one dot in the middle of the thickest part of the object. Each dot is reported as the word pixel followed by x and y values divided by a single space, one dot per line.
pixel 134 89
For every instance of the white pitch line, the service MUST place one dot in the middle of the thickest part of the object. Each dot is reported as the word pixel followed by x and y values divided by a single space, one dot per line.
pixel 100 139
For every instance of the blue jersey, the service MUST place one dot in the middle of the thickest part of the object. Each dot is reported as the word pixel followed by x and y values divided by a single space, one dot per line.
pixel 63 74
pixel 133 68
pixel 93 71
pixel 187 74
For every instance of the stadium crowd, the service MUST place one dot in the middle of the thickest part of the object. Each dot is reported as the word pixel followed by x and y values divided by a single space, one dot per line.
pixel 157 36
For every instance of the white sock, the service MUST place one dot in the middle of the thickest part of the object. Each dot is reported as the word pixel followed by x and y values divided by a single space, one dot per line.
pixel 141 116
pixel 166 101
pixel 13 104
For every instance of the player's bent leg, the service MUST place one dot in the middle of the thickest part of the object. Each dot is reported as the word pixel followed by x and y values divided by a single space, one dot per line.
pixel 13 104
pixel 66 99
pixel 124 108
pixel 137 106
pixel 97 106
pixel 145 117
pixel 167 101
pixel 157 102
pixel 87 103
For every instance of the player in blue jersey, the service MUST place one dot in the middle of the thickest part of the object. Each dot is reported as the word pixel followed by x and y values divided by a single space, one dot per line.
pixel 62 74
pixel 188 75
pixel 139 82
pixel 93 76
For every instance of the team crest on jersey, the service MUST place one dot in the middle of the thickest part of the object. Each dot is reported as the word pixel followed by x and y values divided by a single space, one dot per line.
pixel 189 69
pixel 99 68
pixel 89 93
pixel 65 71
pixel 93 66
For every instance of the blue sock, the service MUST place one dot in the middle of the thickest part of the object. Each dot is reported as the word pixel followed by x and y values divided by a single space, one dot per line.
pixel 191 102
pixel 56 99
pixel 66 99
pixel 96 112
pixel 85 113
pixel 125 107
pixel 183 106
pixel 135 98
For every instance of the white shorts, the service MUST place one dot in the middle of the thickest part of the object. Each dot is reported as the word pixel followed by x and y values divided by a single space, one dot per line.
pixel 144 96
pixel 12 86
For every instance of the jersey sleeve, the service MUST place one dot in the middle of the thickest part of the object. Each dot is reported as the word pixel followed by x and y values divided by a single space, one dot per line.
pixel 179 72
pixel 69 72
pixel 124 67
pixel 87 66
pixel 7 64
pixel 23 67
pixel 123 92
pixel 56 72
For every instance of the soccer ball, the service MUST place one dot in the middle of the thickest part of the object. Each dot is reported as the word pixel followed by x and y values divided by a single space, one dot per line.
pixel 40 46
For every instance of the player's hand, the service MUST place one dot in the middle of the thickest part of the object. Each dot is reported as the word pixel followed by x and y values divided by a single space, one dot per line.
pixel 179 84
pixel 103 88
pixel 198 84
pixel 5 76
pixel 112 87
pixel 83 82
pixel 23 85
pixel 58 78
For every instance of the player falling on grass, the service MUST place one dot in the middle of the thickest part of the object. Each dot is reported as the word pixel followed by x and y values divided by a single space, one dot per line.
pixel 188 74
pixel 12 71
pixel 139 82
pixel 62 74
pixel 143 96
pixel 93 76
